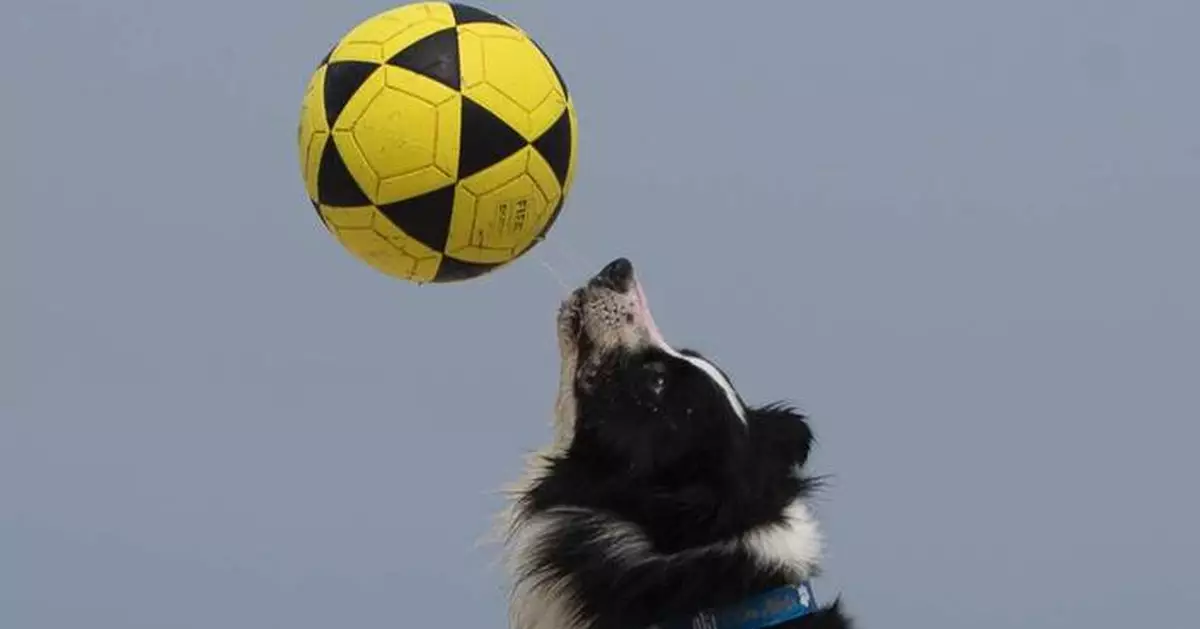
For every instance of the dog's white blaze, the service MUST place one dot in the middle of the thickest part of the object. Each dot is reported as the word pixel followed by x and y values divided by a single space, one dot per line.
pixel 722 382
pixel 715 375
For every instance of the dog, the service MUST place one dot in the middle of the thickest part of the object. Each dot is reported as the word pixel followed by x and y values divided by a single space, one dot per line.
pixel 663 501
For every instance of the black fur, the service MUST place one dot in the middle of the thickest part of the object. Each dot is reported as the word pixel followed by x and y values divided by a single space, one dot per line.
pixel 659 455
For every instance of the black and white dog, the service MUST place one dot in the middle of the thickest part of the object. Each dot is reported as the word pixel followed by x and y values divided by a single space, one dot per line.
pixel 664 500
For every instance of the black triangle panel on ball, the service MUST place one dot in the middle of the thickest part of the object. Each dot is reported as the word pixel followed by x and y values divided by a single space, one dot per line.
pixel 426 217
pixel 555 146
pixel 485 139
pixel 434 56
pixel 465 14
pixel 342 80
pixel 455 270
pixel 335 185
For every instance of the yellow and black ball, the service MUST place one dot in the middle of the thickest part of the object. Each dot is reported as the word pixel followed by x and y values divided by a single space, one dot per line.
pixel 437 142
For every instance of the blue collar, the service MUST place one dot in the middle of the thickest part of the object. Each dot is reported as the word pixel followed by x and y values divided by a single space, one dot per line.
pixel 768 609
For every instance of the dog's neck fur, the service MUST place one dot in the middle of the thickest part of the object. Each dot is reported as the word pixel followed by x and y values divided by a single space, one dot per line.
pixel 557 601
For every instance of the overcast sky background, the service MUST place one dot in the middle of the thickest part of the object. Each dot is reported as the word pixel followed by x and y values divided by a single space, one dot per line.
pixel 962 235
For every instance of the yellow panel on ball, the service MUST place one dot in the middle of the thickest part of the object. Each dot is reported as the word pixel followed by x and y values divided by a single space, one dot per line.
pixel 349 217
pixel 405 259
pixel 498 211
pixel 413 130
pixel 372 238
pixel 503 70
pixel 543 177
pixel 396 134
pixel 399 135
pixel 379 37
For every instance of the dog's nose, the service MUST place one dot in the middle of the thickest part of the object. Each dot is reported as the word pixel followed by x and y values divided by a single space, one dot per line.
pixel 616 274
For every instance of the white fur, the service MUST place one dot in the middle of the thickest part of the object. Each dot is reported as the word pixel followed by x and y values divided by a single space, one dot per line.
pixel 794 545
pixel 536 604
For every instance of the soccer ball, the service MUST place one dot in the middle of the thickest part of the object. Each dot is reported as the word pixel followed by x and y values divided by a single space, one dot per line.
pixel 437 142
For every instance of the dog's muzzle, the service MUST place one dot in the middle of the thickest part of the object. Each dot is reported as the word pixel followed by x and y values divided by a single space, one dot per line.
pixel 608 311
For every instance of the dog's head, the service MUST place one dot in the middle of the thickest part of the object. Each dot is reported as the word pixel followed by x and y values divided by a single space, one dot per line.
pixel 631 401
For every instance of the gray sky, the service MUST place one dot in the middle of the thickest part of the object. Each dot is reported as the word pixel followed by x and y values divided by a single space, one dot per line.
pixel 968 232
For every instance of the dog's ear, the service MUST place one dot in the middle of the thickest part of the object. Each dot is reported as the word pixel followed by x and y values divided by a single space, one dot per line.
pixel 780 433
